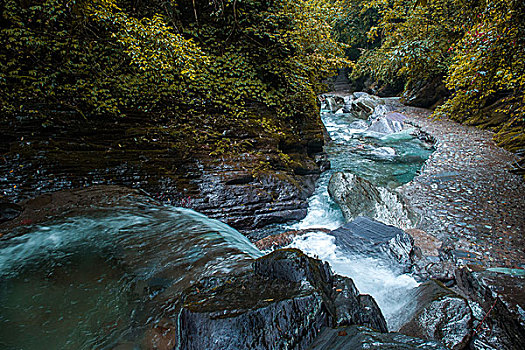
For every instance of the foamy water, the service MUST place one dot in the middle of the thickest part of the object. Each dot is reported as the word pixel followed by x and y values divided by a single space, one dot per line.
pixel 383 159
pixel 371 275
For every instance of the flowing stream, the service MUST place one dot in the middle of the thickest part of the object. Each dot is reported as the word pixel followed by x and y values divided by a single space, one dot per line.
pixel 387 160
pixel 101 280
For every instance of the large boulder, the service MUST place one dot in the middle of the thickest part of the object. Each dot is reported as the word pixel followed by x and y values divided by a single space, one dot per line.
pixel 370 238
pixel 283 303
pixel 361 105
pixel 388 123
pixel 425 93
pixel 439 314
pixel 358 197
pixel 361 338
pixel 500 320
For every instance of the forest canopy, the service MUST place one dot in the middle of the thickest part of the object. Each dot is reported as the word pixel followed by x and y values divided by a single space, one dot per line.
pixel 219 58
pixel 475 48
pixel 164 57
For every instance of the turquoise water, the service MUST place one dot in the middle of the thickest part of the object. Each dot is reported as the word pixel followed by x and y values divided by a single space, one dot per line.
pixel 106 279
pixel 384 160
pixel 388 160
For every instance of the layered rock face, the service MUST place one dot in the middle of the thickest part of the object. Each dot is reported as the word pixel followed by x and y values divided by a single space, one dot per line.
pixel 498 299
pixel 245 175
pixel 440 315
pixel 426 93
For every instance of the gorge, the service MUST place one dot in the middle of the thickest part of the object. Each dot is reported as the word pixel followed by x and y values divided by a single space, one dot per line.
pixel 138 273
pixel 262 174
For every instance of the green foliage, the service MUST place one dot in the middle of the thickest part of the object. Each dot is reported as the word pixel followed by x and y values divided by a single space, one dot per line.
pixel 476 47
pixel 488 69
pixel 63 56
pixel 165 58
pixel 353 25
pixel 414 40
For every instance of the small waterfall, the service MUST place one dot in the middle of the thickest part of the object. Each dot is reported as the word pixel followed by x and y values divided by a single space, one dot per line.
pixel 105 278
pixel 371 274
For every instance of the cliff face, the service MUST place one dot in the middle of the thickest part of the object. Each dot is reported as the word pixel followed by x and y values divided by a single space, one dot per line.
pixel 246 175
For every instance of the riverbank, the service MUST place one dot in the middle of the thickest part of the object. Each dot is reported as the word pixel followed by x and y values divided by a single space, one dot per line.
pixel 465 195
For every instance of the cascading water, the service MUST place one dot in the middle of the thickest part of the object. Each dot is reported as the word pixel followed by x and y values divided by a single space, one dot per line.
pixel 387 160
pixel 104 279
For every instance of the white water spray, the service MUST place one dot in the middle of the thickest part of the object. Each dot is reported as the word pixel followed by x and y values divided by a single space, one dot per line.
pixel 371 275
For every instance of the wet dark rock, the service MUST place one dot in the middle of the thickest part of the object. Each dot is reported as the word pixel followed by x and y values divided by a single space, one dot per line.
pixel 425 93
pixel 361 105
pixel 358 197
pixel 9 211
pixel 247 315
pixel 354 308
pixel 439 314
pixel 357 337
pixel 342 299
pixel 499 292
pixel 367 237
pixel 283 303
pixel 248 183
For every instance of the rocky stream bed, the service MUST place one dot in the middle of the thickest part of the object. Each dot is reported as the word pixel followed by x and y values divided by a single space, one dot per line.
pixel 383 256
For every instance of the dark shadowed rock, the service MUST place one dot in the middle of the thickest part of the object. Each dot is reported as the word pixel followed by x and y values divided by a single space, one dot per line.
pixel 252 313
pixel 439 314
pixel 500 293
pixel 361 338
pixel 367 237
pixel 9 211
pixel 283 303
pixel 425 93
pixel 354 308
